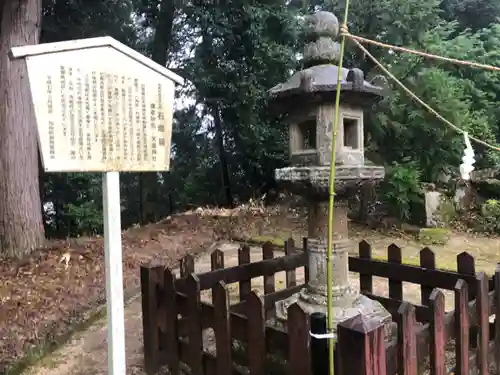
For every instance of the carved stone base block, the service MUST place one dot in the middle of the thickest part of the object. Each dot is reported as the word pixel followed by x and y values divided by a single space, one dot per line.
pixel 343 308
pixel 346 303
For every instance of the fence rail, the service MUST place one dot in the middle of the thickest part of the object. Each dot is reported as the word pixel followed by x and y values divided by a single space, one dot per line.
pixel 181 330
pixel 164 298
pixel 363 351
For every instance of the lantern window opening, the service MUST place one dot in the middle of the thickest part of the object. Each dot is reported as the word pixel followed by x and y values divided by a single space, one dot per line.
pixel 307 131
pixel 351 132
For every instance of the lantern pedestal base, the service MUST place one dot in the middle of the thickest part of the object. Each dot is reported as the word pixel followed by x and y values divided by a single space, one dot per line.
pixel 346 302
pixel 343 308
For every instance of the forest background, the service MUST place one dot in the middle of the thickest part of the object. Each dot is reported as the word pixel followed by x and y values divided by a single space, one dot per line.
pixel 226 142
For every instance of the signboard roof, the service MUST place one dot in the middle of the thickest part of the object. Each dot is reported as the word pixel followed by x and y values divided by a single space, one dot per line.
pixel 103 41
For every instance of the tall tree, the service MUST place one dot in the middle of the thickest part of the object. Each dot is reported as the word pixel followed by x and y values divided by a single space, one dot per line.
pixel 245 49
pixel 21 225
pixel 160 16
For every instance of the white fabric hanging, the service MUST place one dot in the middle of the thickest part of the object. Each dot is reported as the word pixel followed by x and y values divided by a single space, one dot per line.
pixel 468 160
pixel 322 336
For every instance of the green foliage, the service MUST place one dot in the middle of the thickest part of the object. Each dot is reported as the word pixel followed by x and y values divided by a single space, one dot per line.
pixel 489 188
pixel 226 143
pixel 244 50
pixel 72 19
pixel 85 218
pixel 76 207
pixel 402 189
pixel 474 14
pixel 489 221
pixel 422 138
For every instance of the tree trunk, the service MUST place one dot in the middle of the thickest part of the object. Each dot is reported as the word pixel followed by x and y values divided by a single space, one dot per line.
pixel 21 224
pixel 226 180
pixel 366 197
pixel 148 181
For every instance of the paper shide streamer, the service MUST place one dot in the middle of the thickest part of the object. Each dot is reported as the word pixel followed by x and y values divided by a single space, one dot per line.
pixel 468 159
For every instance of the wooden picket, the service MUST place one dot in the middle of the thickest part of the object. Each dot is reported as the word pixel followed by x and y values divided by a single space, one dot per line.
pixel 182 331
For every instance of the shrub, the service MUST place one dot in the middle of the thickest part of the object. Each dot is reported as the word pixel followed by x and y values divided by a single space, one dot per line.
pixel 401 190
pixel 489 221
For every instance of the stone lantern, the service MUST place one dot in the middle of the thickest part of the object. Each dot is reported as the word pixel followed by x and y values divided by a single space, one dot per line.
pixel 308 100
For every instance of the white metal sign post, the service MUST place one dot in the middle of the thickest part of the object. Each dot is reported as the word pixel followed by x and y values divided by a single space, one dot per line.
pixel 102 107
pixel 114 273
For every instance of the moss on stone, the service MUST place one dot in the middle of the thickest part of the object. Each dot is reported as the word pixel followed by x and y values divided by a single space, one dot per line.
pixel 261 240
pixel 447 210
pixel 434 236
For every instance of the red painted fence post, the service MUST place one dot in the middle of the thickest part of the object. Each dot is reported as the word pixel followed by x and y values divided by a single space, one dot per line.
pixel 361 346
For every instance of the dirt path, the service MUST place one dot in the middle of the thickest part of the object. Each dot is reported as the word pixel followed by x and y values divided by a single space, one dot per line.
pixel 86 354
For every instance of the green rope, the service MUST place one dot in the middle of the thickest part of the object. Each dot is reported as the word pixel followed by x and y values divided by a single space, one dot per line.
pixel 332 192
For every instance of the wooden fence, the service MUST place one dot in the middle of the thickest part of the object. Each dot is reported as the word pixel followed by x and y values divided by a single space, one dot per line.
pixel 363 351
pixel 182 331
pixel 164 298
pixel 425 274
